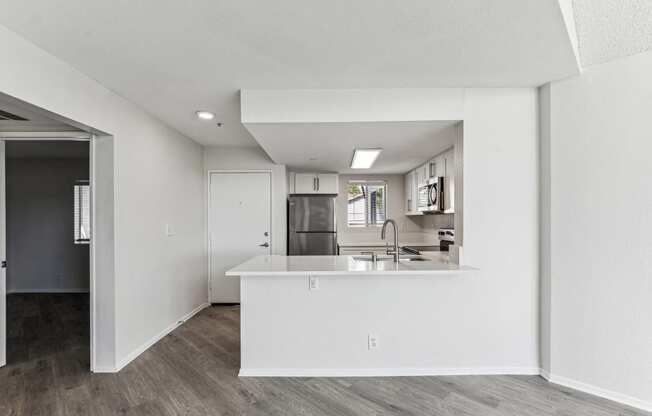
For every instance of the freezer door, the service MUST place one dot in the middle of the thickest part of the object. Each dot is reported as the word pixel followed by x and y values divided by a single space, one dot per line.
pixel 311 213
pixel 313 244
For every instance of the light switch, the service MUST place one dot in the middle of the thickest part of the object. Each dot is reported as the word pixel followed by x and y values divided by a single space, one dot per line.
pixel 169 230
pixel 313 282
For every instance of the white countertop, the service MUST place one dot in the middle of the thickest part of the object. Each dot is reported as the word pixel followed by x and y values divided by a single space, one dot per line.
pixel 343 265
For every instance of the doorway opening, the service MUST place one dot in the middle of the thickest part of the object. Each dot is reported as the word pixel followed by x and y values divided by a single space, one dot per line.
pixel 48 236
pixel 56 241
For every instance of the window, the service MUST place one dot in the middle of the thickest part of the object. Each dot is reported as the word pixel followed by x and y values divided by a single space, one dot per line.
pixel 82 212
pixel 367 204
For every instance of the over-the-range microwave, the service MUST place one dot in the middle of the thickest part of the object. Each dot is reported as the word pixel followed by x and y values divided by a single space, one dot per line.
pixel 431 196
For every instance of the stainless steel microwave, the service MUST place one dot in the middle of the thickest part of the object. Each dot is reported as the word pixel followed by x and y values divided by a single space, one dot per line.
pixel 431 196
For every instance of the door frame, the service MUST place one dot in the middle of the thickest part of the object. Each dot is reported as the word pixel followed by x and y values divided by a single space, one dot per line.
pixel 210 172
pixel 67 137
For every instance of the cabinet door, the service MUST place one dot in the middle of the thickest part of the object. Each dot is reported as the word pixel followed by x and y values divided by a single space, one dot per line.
pixel 410 192
pixel 305 183
pixel 440 162
pixel 449 183
pixel 421 174
pixel 327 183
pixel 449 163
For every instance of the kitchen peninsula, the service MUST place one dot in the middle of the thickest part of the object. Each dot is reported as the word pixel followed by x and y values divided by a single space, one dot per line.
pixel 349 316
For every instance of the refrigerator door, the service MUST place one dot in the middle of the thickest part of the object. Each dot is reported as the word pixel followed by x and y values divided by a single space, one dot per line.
pixel 313 244
pixel 311 213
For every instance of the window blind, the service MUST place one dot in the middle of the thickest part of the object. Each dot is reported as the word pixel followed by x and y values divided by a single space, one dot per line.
pixel 82 212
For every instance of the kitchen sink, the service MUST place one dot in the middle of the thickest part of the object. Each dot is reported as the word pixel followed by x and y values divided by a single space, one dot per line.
pixel 390 258
pixel 415 259
pixel 368 258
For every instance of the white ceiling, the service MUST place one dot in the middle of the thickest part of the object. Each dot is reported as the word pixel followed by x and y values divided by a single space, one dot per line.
pixel 609 29
pixel 405 144
pixel 174 57
pixel 35 122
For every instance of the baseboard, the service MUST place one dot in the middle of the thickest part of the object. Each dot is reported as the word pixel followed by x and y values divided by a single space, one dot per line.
pixel 39 291
pixel 597 391
pixel 135 353
pixel 544 373
pixel 385 372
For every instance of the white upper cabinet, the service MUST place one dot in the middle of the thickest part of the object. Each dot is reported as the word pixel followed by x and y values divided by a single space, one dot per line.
pixel 327 183
pixel 410 192
pixel 441 165
pixel 303 183
pixel 422 174
pixel 313 183
pixel 449 182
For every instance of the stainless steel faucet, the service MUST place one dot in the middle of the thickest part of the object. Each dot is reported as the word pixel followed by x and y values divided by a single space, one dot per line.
pixel 382 235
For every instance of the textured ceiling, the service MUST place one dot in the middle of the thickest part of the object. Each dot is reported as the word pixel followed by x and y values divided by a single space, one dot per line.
pixel 609 29
pixel 174 57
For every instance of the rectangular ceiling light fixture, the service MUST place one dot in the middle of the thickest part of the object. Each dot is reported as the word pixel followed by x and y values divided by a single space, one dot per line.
pixel 364 158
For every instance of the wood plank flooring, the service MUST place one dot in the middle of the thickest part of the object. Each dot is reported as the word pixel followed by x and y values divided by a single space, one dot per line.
pixel 193 371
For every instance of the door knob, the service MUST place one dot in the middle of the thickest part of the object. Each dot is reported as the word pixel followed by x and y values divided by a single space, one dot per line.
pixel 263 245
pixel 266 234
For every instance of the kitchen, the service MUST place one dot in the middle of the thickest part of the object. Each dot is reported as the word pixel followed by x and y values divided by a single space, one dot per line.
pixel 421 202
pixel 383 225
pixel 346 314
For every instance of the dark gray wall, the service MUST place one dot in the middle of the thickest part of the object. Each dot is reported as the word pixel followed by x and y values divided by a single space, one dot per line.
pixel 41 254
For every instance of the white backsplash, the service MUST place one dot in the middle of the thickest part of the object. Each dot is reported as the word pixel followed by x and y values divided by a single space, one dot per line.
pixel 431 223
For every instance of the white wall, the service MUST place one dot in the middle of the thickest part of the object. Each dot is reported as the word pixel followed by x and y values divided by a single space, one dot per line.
pixel 544 227
pixel 40 229
pixel 497 307
pixel 254 158
pixel 600 242
pixel 500 227
pixel 156 177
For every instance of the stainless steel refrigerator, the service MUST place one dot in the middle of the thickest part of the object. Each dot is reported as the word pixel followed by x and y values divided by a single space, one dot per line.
pixel 311 225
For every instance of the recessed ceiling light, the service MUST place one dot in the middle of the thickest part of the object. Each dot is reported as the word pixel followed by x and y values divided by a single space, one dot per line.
pixel 205 115
pixel 364 158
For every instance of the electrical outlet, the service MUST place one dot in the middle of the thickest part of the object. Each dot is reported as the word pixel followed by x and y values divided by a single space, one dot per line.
pixel 372 341
pixel 313 282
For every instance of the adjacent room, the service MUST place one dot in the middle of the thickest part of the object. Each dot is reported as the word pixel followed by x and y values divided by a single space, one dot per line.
pixel 48 236
pixel 326 208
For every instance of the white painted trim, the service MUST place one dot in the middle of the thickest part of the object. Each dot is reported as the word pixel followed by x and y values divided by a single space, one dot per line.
pixel 385 372
pixel 209 172
pixel 597 391
pixel 45 290
pixel 92 254
pixel 135 353
pixel 545 374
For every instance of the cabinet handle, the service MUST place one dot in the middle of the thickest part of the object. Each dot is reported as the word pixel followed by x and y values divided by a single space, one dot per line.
pixel 314 184
pixel 317 183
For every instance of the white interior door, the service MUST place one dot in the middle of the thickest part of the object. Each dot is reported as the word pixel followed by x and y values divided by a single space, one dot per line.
pixel 3 256
pixel 239 227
